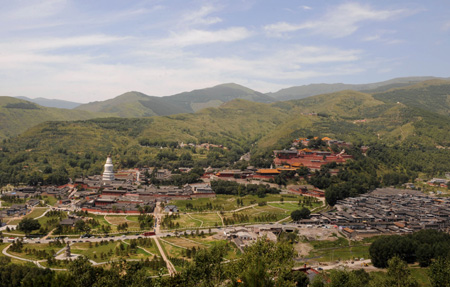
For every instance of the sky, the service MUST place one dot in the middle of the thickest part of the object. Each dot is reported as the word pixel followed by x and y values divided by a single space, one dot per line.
pixel 85 51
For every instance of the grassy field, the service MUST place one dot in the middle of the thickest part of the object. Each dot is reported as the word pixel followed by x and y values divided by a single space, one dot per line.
pixel 152 249
pixel 291 206
pixel 258 213
pixel 13 260
pixel 94 252
pixel 184 242
pixel 120 219
pixel 37 211
pixel 344 253
pixel 37 247
pixel 187 222
pixel 170 250
pixel 50 200
pixel 208 219
pixel 211 219
pixel 322 244
pixel 420 274
pixel 228 202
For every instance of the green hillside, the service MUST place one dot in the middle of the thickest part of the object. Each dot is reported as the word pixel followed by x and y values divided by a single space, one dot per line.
pixel 133 105
pixel 433 95
pixel 16 116
pixel 215 96
pixel 301 92
pixel 403 137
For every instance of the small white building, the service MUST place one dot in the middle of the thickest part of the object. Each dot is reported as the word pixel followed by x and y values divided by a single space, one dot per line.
pixel 108 173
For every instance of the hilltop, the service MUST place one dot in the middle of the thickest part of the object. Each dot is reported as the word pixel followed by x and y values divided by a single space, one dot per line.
pixel 16 115
pixel 133 105
pixel 215 96
pixel 52 103
pixel 301 92
pixel 432 95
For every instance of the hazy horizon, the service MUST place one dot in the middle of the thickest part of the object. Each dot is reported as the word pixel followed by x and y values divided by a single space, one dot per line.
pixel 84 52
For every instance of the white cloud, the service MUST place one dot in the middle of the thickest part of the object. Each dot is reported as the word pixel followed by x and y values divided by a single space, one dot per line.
pixel 304 7
pixel 339 22
pixel 199 37
pixel 201 16
pixel 57 43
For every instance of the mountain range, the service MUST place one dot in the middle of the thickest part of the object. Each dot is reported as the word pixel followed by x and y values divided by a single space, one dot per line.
pixel 414 118
pixel 427 93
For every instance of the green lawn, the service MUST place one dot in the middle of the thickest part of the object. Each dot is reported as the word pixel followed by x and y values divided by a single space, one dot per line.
pixel 344 253
pixel 293 206
pixel 228 202
pixel 153 249
pixel 420 274
pixel 50 200
pixel 258 214
pixel 170 250
pixel 94 253
pixel 321 244
pixel 37 247
pixel 37 211
pixel 208 219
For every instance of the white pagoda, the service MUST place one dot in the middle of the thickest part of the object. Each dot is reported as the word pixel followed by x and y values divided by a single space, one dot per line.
pixel 108 173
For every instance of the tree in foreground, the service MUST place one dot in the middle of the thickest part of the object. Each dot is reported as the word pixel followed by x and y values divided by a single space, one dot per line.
pixel 264 263
pixel 439 272
pixel 27 225
pixel 398 275
pixel 298 214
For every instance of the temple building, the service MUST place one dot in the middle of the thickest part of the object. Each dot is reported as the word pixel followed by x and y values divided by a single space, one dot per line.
pixel 108 173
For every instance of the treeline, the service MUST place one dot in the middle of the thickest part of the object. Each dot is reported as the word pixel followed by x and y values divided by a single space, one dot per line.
pixel 264 263
pixel 25 106
pixel 354 178
pixel 234 188
pixel 422 247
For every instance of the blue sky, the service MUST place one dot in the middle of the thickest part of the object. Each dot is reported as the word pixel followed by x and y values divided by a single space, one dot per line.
pixel 95 50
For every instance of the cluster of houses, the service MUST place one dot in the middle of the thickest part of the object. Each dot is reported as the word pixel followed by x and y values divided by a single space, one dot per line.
pixel 386 211
pixel 202 145
pixel 30 196
pixel 312 159
pixel 306 142
pixel 127 198
pixel 439 182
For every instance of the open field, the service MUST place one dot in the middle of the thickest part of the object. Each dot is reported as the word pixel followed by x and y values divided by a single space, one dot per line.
pixel 37 211
pixel 38 247
pixel 120 219
pixel 108 251
pixel 344 253
pixel 291 206
pixel 13 260
pixel 229 202
pixel 208 219
pixel 184 242
pixel 50 200
pixel 257 214
pixel 170 250
pixel 152 249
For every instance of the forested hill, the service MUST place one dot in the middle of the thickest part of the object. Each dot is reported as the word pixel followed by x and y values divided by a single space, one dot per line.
pixel 215 96
pixel 133 105
pixel 433 95
pixel 301 92
pixel 404 136
pixel 16 116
